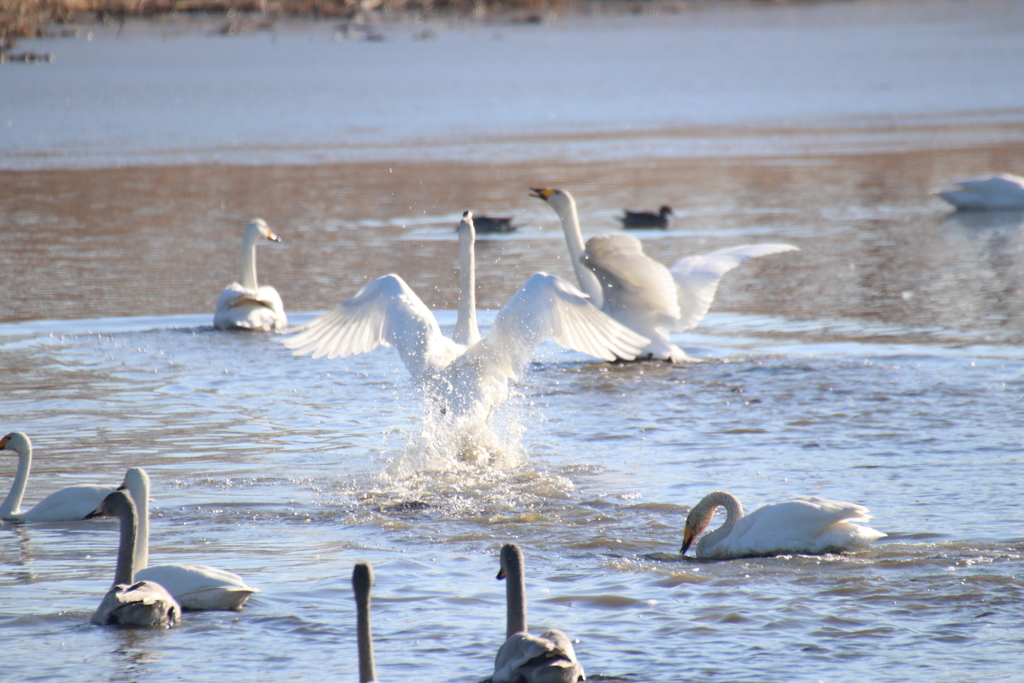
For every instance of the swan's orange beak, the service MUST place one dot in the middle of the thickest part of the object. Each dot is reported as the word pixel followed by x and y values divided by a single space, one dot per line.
pixel 3 441
pixel 542 193
pixel 687 540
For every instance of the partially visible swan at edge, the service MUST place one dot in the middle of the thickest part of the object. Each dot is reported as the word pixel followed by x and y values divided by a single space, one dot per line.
pixel 801 526
pixel 1001 191
pixel 641 293
pixel 524 658
pixel 362 585
pixel 195 586
pixel 466 374
pixel 131 603
pixel 69 504
pixel 246 305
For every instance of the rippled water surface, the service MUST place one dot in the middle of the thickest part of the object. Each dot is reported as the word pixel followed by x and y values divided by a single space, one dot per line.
pixel 882 364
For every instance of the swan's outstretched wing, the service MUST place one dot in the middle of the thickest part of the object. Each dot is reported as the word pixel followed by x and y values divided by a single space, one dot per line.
pixel 384 312
pixel 549 307
pixel 697 277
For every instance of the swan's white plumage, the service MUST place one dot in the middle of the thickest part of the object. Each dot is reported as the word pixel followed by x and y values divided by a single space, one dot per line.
pixel 246 305
pixel 130 602
pixel 803 525
pixel 641 293
pixel 1001 191
pixel 465 379
pixel 69 504
pixel 195 586
pixel 525 658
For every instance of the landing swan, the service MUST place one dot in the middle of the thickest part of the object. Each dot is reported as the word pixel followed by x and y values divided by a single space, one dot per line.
pixel 195 586
pixel 805 526
pixel 641 293
pixel 467 375
pixel 524 658
pixel 647 219
pixel 131 603
pixel 362 585
pixel 70 504
pixel 247 306
pixel 1001 191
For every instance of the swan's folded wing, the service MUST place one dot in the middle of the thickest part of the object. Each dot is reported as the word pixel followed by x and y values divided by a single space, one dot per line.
pixel 630 279
pixel 235 295
pixel 68 505
pixel 384 312
pixel 198 586
pixel 549 307
pixel 800 525
pixel 697 277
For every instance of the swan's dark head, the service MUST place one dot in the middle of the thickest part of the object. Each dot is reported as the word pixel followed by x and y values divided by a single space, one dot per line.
pixel 116 504
pixel 511 556
pixel 362 578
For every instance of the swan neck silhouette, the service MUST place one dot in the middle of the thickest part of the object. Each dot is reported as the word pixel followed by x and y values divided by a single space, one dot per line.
pixel 565 206
pixel 22 445
pixel 514 573
pixel 119 504
pixel 136 482
pixel 467 332
pixel 362 584
pixel 703 513
pixel 252 235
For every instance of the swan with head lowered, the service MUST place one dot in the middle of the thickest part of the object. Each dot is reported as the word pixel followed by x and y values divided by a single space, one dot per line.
pixel 801 526
pixel 525 658
pixel 362 586
pixel 467 375
pixel 1002 191
pixel 641 293
pixel 130 602
pixel 246 305
pixel 69 504
pixel 195 586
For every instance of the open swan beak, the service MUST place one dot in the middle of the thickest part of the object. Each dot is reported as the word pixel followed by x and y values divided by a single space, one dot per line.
pixel 542 193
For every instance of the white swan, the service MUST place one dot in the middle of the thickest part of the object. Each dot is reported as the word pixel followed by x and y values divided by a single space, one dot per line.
pixel 195 586
pixel 641 293
pixel 66 505
pixel 805 526
pixel 467 375
pixel 362 585
pixel 246 305
pixel 131 603
pixel 1001 191
pixel 523 658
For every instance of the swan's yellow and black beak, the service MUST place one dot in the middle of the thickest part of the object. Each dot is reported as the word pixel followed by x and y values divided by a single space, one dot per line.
pixel 98 512
pixel 687 540
pixel 501 574
pixel 273 237
pixel 3 442
pixel 542 193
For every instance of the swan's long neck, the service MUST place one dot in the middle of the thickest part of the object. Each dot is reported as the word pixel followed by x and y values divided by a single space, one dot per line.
pixel 12 503
pixel 466 330
pixel 515 593
pixel 252 235
pixel 137 483
pixel 733 514
pixel 125 572
pixel 362 581
pixel 574 238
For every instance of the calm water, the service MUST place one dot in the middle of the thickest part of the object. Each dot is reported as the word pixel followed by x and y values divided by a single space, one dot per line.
pixel 882 364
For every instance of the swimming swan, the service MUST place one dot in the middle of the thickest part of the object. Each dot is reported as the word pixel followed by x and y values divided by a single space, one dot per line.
pixel 195 586
pixel 988 193
pixel 523 658
pixel 247 306
pixel 131 603
pixel 805 526
pixel 467 375
pixel 69 504
pixel 362 585
pixel 641 293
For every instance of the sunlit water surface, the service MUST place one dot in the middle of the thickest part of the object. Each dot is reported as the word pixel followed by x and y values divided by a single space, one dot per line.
pixel 882 364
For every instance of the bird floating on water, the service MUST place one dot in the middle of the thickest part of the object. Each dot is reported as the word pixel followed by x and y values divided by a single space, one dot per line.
pixel 641 293
pixel 130 602
pixel 492 224
pixel 525 658
pixel 70 504
pixel 1002 191
pixel 467 374
pixel 801 526
pixel 647 219
pixel 246 305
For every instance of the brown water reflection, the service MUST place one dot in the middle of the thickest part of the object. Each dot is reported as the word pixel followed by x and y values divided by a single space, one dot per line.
pixel 165 240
